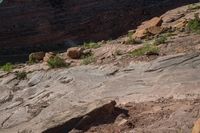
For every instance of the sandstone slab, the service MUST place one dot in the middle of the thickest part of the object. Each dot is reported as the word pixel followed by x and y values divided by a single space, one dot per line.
pixel 48 99
pixel 152 26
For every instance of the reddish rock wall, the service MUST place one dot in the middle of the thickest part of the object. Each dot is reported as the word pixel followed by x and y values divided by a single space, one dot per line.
pixel 32 25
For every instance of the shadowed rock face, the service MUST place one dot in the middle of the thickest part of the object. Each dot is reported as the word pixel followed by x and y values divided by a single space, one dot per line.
pixel 33 25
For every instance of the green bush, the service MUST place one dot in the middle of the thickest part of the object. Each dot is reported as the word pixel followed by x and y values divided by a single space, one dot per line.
pixel 160 40
pixel 131 40
pixel 145 50
pixel 88 60
pixel 8 67
pixel 194 25
pixel 21 75
pixel 86 54
pixel 56 62
pixel 32 60
pixel 90 45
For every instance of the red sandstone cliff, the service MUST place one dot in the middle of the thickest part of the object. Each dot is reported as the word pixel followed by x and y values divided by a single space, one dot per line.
pixel 32 25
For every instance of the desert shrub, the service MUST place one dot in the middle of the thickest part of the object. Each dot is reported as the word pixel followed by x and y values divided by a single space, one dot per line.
pixel 8 67
pixel 56 62
pixel 86 53
pixel 88 60
pixel 21 75
pixel 90 45
pixel 145 50
pixel 194 24
pixel 160 40
pixel 32 60
pixel 131 40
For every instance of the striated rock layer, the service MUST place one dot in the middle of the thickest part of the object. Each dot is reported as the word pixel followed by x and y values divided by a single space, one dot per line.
pixel 58 100
pixel 32 25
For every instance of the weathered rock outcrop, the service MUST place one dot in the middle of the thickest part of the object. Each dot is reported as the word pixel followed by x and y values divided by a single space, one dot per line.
pixel 28 26
pixel 57 100
pixel 79 98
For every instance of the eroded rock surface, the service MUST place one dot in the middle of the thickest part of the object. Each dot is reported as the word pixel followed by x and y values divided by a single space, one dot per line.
pixel 165 90
pixel 52 96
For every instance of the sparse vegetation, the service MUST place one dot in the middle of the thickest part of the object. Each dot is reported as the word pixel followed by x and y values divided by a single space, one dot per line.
pixel 88 60
pixel 21 75
pixel 131 32
pixel 194 24
pixel 160 40
pixel 56 62
pixel 32 60
pixel 8 67
pixel 145 50
pixel 131 40
pixel 86 54
pixel 90 45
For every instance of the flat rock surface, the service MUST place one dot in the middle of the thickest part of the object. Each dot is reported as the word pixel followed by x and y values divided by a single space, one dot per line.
pixel 47 95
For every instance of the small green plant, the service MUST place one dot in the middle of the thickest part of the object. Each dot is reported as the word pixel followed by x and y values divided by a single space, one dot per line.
pixel 90 45
pixel 56 62
pixel 32 60
pixel 88 60
pixel 130 33
pixel 145 50
pixel 194 24
pixel 160 40
pixel 21 75
pixel 8 67
pixel 131 40
pixel 86 53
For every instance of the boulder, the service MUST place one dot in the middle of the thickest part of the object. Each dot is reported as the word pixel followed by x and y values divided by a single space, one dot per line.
pixel 156 21
pixel 152 26
pixel 80 117
pixel 74 52
pixel 172 17
pixel 37 56
pixel 140 33
pixel 155 30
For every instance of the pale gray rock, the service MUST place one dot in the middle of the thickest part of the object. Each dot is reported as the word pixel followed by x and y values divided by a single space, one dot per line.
pixel 5 95
pixel 7 79
pixel 56 96
pixel 36 78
